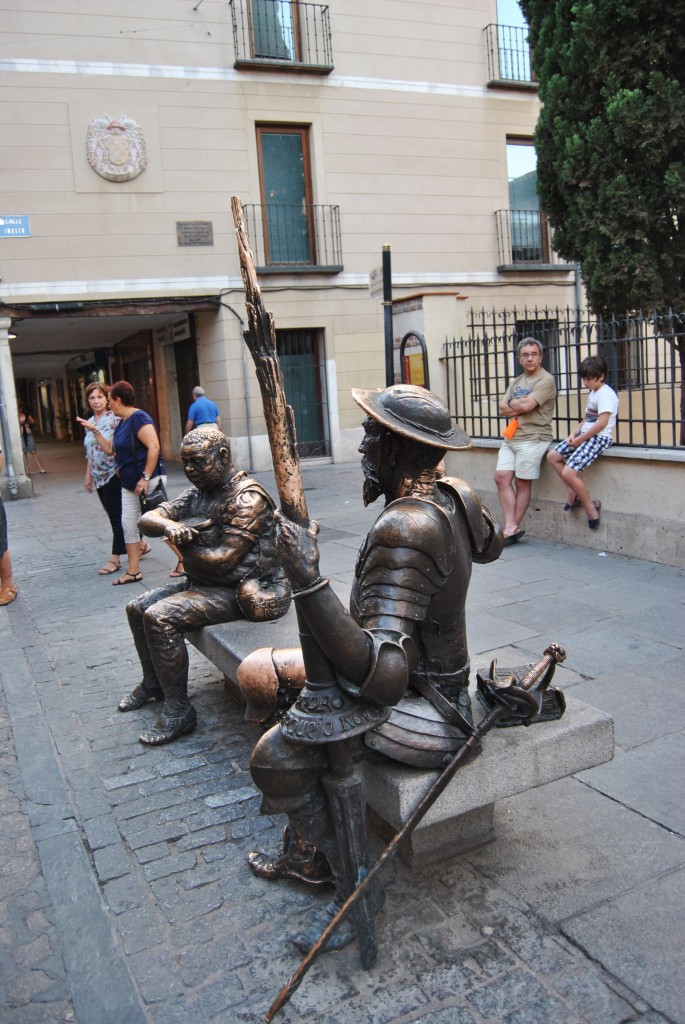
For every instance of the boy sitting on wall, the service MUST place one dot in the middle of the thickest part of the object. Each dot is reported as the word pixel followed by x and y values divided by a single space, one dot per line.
pixel 588 440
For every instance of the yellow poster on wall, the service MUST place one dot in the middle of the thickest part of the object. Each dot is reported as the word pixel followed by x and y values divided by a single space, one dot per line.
pixel 414 369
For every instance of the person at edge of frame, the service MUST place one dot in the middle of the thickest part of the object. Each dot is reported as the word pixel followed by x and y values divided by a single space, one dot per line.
pixel 8 590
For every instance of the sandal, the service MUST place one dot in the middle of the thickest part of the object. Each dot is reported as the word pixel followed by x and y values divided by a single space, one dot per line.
pixel 145 551
pixel 513 538
pixel 110 568
pixel 133 577
pixel 178 571
pixel 594 523
pixel 8 594
pixel 572 504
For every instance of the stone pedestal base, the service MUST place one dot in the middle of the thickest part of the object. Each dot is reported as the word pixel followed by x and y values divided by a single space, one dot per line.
pixel 441 840
pixel 512 761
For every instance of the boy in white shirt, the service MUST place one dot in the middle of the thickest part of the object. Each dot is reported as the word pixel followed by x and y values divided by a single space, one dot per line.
pixel 588 440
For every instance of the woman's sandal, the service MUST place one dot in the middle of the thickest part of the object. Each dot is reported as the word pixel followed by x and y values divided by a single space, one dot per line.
pixel 572 504
pixel 145 551
pixel 110 568
pixel 178 571
pixel 7 594
pixel 594 523
pixel 133 577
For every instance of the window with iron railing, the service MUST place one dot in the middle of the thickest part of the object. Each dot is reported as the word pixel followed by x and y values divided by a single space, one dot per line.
pixel 508 55
pixel 295 238
pixel 524 238
pixel 287 230
pixel 282 35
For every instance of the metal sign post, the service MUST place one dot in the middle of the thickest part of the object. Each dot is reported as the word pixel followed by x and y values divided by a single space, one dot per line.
pixel 387 317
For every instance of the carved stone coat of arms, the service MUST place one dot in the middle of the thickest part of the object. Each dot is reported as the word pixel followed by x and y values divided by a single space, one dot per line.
pixel 116 148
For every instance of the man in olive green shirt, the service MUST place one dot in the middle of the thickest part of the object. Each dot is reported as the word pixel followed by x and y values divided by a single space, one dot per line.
pixel 529 400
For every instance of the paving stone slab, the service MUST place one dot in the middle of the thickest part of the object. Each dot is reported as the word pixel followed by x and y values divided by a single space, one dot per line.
pixel 639 936
pixel 648 779
pixel 639 701
pixel 565 848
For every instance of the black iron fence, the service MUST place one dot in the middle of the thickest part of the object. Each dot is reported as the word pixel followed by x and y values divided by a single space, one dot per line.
pixel 276 32
pixel 295 237
pixel 508 55
pixel 644 352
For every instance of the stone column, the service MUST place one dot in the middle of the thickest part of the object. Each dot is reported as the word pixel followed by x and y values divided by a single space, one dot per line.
pixel 14 483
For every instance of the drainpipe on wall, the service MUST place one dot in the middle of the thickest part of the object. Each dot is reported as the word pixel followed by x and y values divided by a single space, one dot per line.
pixel 246 389
pixel 579 287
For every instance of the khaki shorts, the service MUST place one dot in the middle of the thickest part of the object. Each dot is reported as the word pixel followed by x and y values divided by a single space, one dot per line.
pixel 522 457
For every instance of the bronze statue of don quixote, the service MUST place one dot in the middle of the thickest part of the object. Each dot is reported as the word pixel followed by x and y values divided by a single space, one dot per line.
pixel 399 653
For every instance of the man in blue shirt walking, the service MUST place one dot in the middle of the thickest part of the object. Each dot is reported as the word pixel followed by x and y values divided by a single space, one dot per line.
pixel 203 412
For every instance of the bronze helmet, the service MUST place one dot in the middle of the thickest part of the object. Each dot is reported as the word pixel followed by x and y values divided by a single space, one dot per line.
pixel 413 412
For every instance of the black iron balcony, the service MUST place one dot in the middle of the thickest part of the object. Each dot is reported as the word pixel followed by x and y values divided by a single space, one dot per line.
pixel 524 238
pixel 509 56
pixel 280 35
pixel 300 238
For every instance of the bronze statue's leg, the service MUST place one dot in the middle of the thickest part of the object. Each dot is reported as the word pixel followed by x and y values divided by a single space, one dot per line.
pixel 149 688
pixel 166 622
pixel 289 777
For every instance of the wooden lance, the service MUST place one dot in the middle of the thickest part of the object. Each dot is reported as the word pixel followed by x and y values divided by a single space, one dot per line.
pixel 343 785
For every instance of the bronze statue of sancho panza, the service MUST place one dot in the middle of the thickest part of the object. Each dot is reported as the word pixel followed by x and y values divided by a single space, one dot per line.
pixel 400 655
pixel 224 527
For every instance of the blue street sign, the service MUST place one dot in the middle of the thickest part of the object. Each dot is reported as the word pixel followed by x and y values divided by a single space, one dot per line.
pixel 15 226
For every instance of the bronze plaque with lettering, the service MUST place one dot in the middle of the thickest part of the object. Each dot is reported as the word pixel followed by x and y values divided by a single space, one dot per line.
pixel 194 232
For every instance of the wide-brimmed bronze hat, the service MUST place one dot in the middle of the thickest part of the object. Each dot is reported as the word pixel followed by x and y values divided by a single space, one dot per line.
pixel 413 412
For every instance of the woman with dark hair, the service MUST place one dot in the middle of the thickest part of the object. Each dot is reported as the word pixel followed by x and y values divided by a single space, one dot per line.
pixel 136 449
pixel 101 473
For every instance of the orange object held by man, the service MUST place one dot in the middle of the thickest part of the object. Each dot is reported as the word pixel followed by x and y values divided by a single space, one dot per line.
pixel 511 428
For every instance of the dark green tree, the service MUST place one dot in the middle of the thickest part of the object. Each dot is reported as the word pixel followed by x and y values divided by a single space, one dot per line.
pixel 611 144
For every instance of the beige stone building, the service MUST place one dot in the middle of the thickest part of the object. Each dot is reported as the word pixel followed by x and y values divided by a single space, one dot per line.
pixel 345 127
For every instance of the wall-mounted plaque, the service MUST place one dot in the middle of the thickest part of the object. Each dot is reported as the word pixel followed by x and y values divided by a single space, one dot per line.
pixel 194 232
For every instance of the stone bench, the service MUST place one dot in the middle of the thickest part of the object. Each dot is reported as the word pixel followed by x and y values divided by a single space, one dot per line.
pixel 512 761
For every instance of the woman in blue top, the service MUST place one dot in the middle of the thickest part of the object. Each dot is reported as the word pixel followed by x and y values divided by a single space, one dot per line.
pixel 101 473
pixel 136 449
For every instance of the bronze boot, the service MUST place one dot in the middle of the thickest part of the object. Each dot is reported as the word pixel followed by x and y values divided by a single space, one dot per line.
pixel 175 720
pixel 297 859
pixel 319 919
pixel 140 695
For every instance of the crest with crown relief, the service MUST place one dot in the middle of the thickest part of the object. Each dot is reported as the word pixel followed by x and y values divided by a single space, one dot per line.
pixel 116 148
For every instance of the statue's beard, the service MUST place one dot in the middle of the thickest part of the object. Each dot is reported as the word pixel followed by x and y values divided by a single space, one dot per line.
pixel 372 490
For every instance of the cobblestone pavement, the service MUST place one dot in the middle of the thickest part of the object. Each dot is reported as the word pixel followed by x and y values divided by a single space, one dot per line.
pixel 33 986
pixel 126 896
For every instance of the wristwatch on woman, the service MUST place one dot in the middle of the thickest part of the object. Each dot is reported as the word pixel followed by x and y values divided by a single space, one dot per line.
pixel 146 476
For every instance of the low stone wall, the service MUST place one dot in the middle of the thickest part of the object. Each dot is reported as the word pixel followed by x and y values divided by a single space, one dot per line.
pixel 641 489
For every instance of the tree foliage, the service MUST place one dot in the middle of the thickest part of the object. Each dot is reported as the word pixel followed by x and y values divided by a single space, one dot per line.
pixel 611 144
